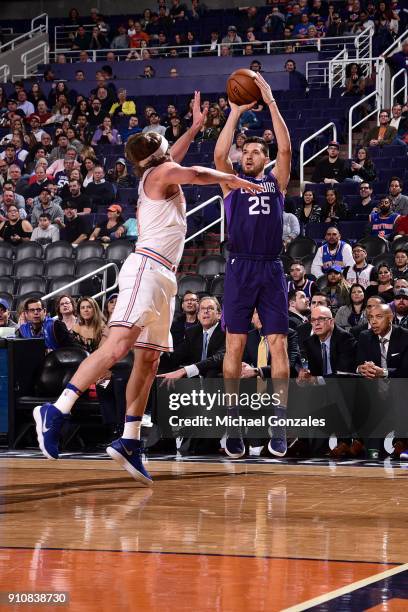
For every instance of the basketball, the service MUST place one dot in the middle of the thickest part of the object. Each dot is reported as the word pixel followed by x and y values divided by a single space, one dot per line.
pixel 241 87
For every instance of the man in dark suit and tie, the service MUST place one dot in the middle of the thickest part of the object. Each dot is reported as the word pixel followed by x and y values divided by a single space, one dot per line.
pixel 329 350
pixel 202 351
pixel 382 352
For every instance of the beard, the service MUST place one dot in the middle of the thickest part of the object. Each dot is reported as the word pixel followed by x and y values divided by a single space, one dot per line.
pixel 253 171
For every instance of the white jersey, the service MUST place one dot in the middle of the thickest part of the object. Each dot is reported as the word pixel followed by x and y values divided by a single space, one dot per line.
pixel 362 276
pixel 162 224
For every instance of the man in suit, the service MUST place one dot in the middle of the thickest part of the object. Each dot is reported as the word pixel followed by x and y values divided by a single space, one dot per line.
pixel 382 352
pixel 256 353
pixel 202 351
pixel 328 350
pixel 298 308
pixel 304 330
pixel 382 134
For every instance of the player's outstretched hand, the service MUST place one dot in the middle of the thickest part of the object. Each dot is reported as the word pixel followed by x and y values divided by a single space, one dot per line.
pixel 199 116
pixel 241 109
pixel 264 87
pixel 235 182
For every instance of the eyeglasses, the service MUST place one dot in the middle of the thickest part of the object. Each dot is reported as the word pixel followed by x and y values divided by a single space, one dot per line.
pixel 34 309
pixel 401 297
pixel 320 320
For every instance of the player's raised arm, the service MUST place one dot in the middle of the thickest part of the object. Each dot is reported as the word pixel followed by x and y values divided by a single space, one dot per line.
pixel 181 146
pixel 171 173
pixel 224 141
pixel 283 158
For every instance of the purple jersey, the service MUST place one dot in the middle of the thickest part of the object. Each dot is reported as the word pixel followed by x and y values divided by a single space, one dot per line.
pixel 255 222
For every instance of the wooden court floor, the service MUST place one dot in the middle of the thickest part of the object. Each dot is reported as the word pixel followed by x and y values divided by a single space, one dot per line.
pixel 208 536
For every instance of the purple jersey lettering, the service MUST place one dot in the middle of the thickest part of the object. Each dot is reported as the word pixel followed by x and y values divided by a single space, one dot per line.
pixel 255 222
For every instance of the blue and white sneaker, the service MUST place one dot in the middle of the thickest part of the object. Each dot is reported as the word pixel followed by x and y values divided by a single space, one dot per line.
pixel 278 445
pixel 234 447
pixel 49 421
pixel 128 453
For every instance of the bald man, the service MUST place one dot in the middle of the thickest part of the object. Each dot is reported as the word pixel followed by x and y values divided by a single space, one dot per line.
pixel 330 349
pixel 382 351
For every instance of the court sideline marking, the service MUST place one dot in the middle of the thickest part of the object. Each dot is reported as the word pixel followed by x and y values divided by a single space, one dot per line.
pixel 354 586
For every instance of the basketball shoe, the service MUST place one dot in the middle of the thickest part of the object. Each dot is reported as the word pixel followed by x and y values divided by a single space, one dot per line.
pixel 278 445
pixel 49 421
pixel 128 453
pixel 234 447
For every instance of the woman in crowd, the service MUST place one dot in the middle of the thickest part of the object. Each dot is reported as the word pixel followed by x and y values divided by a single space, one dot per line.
pixel 15 230
pixel 214 123
pixel 336 289
pixel 119 174
pixel 385 284
pixel 81 108
pixel 65 309
pixel 36 94
pixel 87 170
pixel 175 129
pixel 90 325
pixel 334 208
pixel 106 134
pixel 362 167
pixel 309 210
pixel 105 231
pixel 349 316
pixel 109 306
pixel 235 152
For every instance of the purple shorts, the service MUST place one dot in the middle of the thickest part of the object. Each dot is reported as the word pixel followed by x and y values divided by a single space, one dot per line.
pixel 251 284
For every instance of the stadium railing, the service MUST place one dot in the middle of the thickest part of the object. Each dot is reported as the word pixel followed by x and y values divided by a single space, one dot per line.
pixel 403 75
pixel 267 46
pixel 220 220
pixel 302 162
pixel 40 28
pixel 377 96
pixel 77 281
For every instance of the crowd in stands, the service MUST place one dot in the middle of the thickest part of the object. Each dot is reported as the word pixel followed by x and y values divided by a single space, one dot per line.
pixel 164 30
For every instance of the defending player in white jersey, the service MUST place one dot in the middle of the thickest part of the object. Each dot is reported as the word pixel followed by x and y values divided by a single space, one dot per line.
pixel 147 289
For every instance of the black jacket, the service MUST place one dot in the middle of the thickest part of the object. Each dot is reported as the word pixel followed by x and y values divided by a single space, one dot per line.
pixel 368 349
pixel 100 194
pixel 251 352
pixel 342 352
pixel 189 352
pixel 178 329
pixel 294 320
pixel 357 329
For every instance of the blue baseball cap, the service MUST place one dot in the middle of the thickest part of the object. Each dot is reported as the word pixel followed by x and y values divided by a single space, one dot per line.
pixel 5 304
pixel 335 268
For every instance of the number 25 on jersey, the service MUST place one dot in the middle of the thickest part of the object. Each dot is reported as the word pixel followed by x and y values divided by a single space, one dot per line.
pixel 260 205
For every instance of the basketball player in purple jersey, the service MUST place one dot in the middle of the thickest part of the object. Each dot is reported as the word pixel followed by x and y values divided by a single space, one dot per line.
pixel 254 276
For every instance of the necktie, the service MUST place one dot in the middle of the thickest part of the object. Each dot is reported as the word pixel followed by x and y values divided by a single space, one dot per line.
pixel 383 349
pixel 324 359
pixel 262 362
pixel 262 358
pixel 205 346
